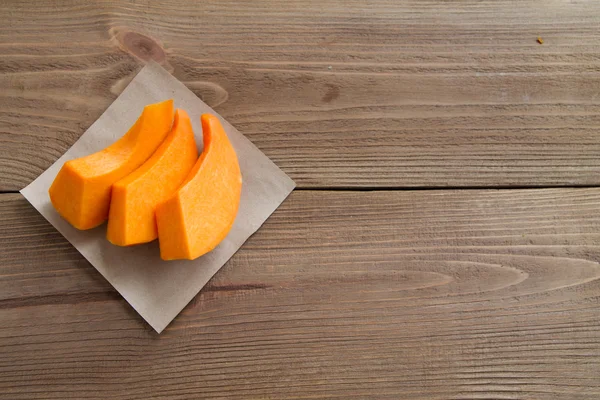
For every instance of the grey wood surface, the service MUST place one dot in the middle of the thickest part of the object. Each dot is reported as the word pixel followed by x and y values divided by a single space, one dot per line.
pixel 345 293
pixel 405 295
pixel 338 93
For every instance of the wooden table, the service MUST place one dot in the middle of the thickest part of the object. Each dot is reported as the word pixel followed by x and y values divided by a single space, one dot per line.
pixel 443 242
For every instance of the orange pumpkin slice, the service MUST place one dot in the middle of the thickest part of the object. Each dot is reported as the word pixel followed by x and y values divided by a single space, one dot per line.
pixel 131 219
pixel 81 191
pixel 201 212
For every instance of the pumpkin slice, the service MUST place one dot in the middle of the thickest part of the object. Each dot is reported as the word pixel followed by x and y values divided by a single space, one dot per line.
pixel 201 212
pixel 81 191
pixel 131 219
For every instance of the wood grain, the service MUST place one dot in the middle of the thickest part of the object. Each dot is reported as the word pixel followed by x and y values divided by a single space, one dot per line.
pixel 338 93
pixel 473 294
pixel 468 294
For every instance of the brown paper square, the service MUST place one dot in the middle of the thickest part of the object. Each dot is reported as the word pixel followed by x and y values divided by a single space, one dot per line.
pixel 158 289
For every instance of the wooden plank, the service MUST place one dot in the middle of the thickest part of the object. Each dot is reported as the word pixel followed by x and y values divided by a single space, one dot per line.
pixel 338 93
pixel 474 294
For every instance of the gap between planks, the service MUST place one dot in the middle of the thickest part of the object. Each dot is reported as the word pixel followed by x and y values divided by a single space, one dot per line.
pixel 415 188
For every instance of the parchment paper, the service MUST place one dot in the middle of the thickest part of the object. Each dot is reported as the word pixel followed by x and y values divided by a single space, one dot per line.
pixel 158 290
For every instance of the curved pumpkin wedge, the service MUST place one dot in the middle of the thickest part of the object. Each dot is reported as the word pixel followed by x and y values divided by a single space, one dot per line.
pixel 200 214
pixel 131 219
pixel 81 191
